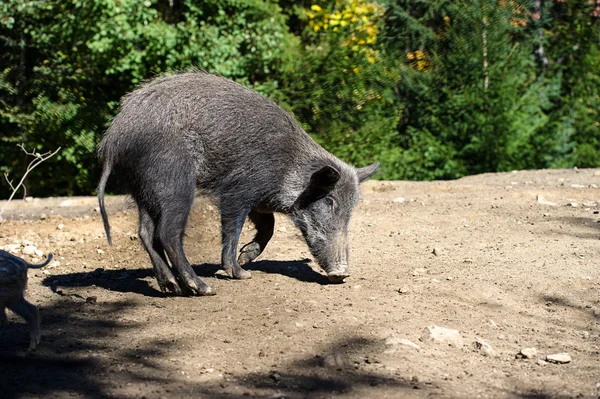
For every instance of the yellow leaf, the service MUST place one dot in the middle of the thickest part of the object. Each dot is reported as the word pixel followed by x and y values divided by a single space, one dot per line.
pixel 316 8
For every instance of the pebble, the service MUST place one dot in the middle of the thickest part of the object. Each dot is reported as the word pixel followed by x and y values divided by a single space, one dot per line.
pixel 419 271
pixel 100 251
pixel 577 186
pixel 527 353
pixel 484 348
pixel 60 226
pixel 403 290
pixel 543 201
pixel 334 360
pixel 399 200
pixel 573 204
pixel 437 251
pixel 29 250
pixel 559 358
pixel 393 340
pixel 442 335
pixel 14 248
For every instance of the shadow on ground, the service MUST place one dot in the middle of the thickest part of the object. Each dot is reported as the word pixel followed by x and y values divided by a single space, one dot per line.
pixel 139 280
pixel 78 358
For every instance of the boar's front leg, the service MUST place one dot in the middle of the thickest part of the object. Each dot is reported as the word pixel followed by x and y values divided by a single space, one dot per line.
pixel 232 221
pixel 265 223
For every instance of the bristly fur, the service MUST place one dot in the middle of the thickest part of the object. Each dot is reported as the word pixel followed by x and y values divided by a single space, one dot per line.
pixel 191 131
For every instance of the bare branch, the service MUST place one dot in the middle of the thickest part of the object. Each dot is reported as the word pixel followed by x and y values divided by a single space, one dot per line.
pixel 39 158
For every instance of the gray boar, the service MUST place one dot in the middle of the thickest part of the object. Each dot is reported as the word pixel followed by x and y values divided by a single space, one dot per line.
pixel 197 130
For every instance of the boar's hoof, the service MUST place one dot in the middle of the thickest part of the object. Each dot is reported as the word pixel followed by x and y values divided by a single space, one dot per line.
pixel 337 278
pixel 169 286
pixel 195 286
pixel 249 252
pixel 237 273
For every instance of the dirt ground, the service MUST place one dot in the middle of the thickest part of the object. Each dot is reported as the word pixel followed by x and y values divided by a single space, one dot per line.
pixel 509 268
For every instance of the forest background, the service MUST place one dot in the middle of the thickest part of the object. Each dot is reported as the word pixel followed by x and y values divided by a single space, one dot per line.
pixel 430 89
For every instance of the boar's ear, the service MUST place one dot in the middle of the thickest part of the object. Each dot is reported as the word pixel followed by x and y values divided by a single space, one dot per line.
pixel 366 172
pixel 321 183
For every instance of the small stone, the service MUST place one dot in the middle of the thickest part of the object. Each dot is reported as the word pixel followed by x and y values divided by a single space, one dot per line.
pixel 100 251
pixel 484 348
pixel 442 335
pixel 403 290
pixel 419 271
pixel 60 226
pixel 334 361
pixel 573 204
pixel 590 204
pixel 14 248
pixel 399 200
pixel 541 200
pixel 527 353
pixel 29 250
pixel 91 299
pixel 541 362
pixel 437 251
pixel 577 186
pixel 39 254
pixel 43 216
pixel 28 199
pixel 559 358
pixel 393 340
pixel 275 376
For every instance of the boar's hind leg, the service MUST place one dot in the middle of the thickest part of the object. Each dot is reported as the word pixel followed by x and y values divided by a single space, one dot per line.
pixel 166 280
pixel 264 222
pixel 232 221
pixel 171 226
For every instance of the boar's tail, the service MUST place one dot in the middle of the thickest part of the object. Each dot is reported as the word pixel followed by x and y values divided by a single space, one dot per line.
pixel 40 265
pixel 103 179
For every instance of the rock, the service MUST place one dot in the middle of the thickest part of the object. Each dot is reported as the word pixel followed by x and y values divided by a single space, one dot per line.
pixel 590 204
pixel 399 200
pixel 442 335
pixel 573 204
pixel 527 353
pixel 14 248
pixel 29 250
pixel 100 251
pixel 541 200
pixel 334 361
pixel 403 290
pixel 437 251
pixel 60 226
pixel 66 203
pixel 559 358
pixel 39 253
pixel 394 340
pixel 275 376
pixel 484 348
pixel 43 216
pixel 541 362
pixel 91 299
pixel 577 186
pixel 419 271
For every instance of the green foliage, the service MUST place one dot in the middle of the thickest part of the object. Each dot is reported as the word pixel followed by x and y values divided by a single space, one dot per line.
pixel 432 90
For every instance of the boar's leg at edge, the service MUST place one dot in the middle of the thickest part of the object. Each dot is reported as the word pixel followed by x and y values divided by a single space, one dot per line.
pixel 149 238
pixel 265 223
pixel 31 314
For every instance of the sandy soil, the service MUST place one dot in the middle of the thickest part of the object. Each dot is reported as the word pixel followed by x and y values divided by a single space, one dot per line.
pixel 507 269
